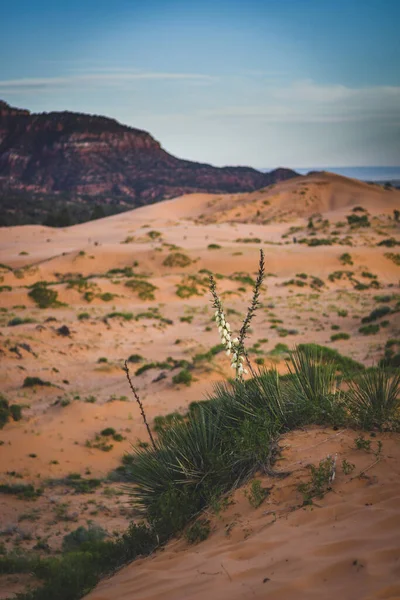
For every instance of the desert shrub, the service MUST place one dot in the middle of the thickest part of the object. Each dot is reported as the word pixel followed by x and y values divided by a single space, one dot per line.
pixel 198 532
pixel 374 399
pixel 153 235
pixel 107 296
pixel 339 275
pixel 9 411
pixel 393 257
pixel 257 494
pixel 358 221
pixel 20 321
pixel 298 282
pixel 389 243
pixel 183 376
pixel 177 259
pixel 316 242
pixel 144 289
pixel 32 381
pixel 342 313
pixel 344 364
pixel 126 316
pixel 23 491
pixel 213 246
pixel 314 382
pixel 253 240
pixel 340 336
pixel 135 358
pixel 320 482
pixel 83 316
pixel 346 259
pixel 81 535
pixel 213 351
pixel 43 296
pixel 377 313
pixel 369 329
pixel 391 358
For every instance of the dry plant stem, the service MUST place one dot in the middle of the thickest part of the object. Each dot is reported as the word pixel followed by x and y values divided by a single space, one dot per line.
pixel 249 364
pixel 254 302
pixel 134 392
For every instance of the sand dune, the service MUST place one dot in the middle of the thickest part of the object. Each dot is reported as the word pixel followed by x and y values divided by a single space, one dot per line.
pixel 88 265
pixel 347 545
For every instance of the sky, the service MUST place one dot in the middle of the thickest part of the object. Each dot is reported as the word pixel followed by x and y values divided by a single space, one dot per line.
pixel 264 83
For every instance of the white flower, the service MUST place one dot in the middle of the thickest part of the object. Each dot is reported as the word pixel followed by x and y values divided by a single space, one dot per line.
pixel 245 371
pixel 228 352
pixel 227 326
pixel 235 341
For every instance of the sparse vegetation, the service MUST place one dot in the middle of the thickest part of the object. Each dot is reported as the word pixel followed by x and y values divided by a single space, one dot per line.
pixel 340 336
pixel 43 296
pixel 177 259
pixel 9 411
pixel 144 289
pixel 220 443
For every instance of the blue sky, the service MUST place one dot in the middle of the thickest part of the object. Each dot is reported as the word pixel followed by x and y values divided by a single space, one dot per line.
pixel 258 82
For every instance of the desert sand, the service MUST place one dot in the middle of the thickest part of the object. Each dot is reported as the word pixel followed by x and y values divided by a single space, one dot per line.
pixel 87 390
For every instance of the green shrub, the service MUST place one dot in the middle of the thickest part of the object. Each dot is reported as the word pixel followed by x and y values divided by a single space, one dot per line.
pixel 135 358
pixel 356 221
pixel 186 291
pixel 253 240
pixel 177 259
pixel 198 532
pixel 369 329
pixel 213 246
pixel 9 411
pixel 389 243
pixel 84 316
pixel 374 399
pixel 320 482
pixel 107 296
pixel 183 376
pixel 344 364
pixel 377 313
pixel 340 336
pixel 393 257
pixel 20 321
pixel 23 491
pixel 144 289
pixel 74 540
pixel 32 381
pixel 126 316
pixel 346 259
pixel 257 494
pixel 43 296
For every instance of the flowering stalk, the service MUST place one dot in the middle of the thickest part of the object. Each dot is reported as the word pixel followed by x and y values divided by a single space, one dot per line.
pixel 235 346
pixel 232 346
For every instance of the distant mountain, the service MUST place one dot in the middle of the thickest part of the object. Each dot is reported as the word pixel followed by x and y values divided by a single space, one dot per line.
pixel 373 173
pixel 63 167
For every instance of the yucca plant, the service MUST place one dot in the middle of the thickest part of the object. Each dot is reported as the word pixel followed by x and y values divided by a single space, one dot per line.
pixel 373 398
pixel 314 382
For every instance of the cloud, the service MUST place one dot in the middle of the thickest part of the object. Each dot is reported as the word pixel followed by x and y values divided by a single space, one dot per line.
pixel 307 101
pixel 102 78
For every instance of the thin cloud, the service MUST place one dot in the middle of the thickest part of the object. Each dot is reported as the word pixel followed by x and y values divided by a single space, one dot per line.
pixel 99 78
pixel 309 102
